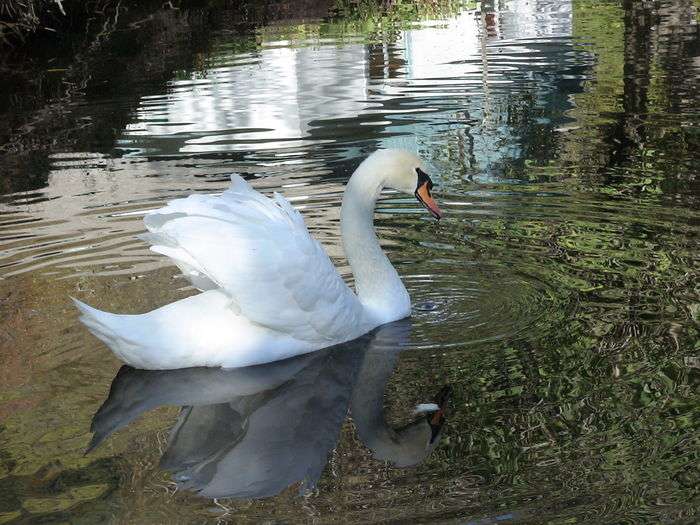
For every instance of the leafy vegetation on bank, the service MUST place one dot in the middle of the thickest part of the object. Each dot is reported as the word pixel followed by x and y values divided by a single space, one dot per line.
pixel 20 20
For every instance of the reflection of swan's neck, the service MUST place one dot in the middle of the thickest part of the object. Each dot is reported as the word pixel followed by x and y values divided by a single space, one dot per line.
pixel 377 283
pixel 403 447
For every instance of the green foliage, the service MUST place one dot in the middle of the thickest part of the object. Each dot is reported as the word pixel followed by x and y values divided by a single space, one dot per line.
pixel 371 20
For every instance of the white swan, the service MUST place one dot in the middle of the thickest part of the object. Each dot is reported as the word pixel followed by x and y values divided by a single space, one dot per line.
pixel 269 290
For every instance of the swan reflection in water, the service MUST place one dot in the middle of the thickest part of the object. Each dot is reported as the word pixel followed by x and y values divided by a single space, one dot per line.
pixel 252 432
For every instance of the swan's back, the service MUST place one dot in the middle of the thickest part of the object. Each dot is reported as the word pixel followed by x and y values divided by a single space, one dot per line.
pixel 257 251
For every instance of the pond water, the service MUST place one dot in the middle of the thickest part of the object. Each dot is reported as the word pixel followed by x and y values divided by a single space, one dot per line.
pixel 558 298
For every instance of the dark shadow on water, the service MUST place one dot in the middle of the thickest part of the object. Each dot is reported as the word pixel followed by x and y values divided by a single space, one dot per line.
pixel 252 432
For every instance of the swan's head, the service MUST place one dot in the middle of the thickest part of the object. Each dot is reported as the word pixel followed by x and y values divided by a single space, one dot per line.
pixel 435 412
pixel 410 445
pixel 405 172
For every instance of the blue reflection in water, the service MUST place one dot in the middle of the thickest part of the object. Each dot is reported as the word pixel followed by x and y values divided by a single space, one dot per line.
pixel 480 86
pixel 252 432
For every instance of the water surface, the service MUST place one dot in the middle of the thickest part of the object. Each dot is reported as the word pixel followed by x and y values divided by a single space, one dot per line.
pixel 558 297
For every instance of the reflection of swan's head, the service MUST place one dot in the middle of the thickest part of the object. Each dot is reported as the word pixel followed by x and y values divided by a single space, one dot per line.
pixel 435 412
pixel 405 172
pixel 410 445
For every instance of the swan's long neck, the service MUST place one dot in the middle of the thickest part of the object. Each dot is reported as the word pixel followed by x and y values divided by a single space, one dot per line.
pixel 403 447
pixel 376 281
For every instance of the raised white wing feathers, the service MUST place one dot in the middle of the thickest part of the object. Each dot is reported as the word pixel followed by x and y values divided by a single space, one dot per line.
pixel 258 251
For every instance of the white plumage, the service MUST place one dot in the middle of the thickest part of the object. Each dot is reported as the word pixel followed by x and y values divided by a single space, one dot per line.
pixel 269 290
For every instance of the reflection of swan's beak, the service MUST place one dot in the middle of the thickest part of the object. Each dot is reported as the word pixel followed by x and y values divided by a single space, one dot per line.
pixel 422 193
pixel 437 418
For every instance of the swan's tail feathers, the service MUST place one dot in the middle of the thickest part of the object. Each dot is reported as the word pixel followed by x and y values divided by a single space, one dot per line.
pixel 102 325
pixel 239 183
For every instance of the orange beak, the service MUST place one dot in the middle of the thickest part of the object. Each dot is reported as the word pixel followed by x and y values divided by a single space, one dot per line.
pixel 438 418
pixel 426 199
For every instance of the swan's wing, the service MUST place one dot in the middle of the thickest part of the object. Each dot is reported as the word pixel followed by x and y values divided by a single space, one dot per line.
pixel 257 250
